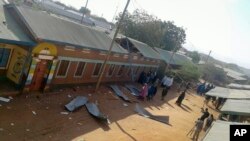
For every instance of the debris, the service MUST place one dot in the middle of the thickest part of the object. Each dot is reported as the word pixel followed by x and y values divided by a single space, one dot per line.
pixel 64 113
pixel 124 104
pixel 4 99
pixel 119 93
pixel 76 103
pixel 89 94
pixel 79 123
pixel 96 102
pixel 70 118
pixel 10 97
pixel 1 129
pixel 12 124
pixel 47 108
pixel 34 113
pixel 0 105
pixel 69 96
pixel 8 107
pixel 94 111
pixel 27 130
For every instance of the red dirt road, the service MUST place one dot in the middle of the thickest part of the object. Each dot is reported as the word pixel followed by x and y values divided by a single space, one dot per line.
pixel 18 123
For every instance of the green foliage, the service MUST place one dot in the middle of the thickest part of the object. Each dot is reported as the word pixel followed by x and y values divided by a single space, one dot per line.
pixel 84 10
pixel 149 29
pixel 213 74
pixel 189 72
pixel 195 56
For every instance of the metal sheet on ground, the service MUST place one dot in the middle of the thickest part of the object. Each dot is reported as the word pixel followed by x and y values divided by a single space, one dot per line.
pixel 76 103
pixel 119 93
pixel 134 90
pixel 94 111
pixel 141 111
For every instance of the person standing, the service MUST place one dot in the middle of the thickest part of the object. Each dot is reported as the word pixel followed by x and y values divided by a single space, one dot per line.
pixel 198 128
pixel 204 115
pixel 209 122
pixel 144 92
pixel 180 98
pixel 167 83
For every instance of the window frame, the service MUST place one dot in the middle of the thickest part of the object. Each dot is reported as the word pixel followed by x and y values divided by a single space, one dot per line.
pixel 98 72
pixel 120 66
pixel 83 70
pixel 8 62
pixel 112 71
pixel 59 65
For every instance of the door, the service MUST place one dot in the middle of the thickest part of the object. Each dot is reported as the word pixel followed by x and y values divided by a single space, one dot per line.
pixel 39 75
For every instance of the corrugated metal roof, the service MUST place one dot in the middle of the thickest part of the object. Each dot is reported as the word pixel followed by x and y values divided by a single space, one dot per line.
pixel 239 86
pixel 236 107
pixel 219 131
pixel 145 49
pixel 229 93
pixel 10 31
pixel 50 28
pixel 178 59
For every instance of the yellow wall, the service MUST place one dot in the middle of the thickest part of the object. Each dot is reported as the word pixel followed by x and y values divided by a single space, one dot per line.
pixel 17 61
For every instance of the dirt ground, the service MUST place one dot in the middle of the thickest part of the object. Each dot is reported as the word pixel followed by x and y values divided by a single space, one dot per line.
pixel 18 123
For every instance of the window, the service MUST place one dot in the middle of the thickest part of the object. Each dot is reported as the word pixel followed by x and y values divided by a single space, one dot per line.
pixel 121 70
pixel 97 69
pixel 129 71
pixel 63 68
pixel 80 69
pixel 4 57
pixel 111 70
pixel 137 70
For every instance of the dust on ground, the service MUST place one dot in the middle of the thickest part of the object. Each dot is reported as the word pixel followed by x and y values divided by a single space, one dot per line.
pixel 37 117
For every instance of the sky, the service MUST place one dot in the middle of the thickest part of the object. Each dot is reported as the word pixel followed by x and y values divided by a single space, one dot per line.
pixel 222 26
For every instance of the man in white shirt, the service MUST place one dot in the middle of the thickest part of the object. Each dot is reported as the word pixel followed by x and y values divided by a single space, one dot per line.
pixel 167 82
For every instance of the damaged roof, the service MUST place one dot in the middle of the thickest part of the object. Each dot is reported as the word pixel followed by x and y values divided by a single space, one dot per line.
pixel 10 31
pixel 50 28
pixel 178 59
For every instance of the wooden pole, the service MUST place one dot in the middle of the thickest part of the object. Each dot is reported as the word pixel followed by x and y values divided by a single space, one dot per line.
pixel 110 48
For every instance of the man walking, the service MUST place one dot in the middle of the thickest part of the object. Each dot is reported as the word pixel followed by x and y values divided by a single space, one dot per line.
pixel 205 115
pixel 198 128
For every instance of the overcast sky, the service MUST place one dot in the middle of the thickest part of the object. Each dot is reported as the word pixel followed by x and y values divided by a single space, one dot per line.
pixel 222 26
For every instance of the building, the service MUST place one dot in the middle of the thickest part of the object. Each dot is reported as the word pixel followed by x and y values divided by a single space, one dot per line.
pixel 61 52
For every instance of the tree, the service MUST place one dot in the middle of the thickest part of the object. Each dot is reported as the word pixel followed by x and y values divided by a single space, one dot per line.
pixel 149 29
pixel 189 72
pixel 213 74
pixel 84 11
pixel 195 56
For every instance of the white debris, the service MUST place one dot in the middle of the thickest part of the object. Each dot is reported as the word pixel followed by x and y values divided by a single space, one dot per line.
pixel 1 129
pixel 108 121
pixel 10 97
pixel 69 95
pixel 4 99
pixel 124 104
pixel 70 118
pixel 90 94
pixel 34 113
pixel 12 124
pixel 0 105
pixel 64 113
pixel 79 123
pixel 27 130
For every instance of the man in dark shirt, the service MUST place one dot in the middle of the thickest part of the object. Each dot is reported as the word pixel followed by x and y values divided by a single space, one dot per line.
pixel 205 115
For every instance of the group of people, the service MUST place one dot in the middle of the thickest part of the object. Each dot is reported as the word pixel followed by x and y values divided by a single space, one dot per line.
pixel 150 82
pixel 199 124
pixel 204 88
